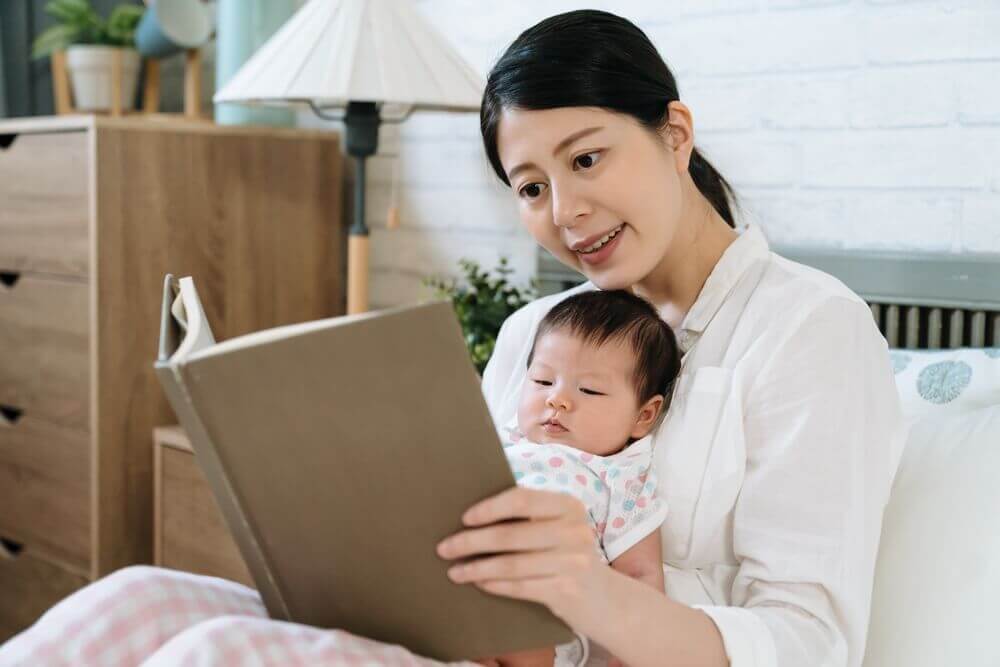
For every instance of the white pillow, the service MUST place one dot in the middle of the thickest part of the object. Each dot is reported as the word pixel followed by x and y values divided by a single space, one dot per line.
pixel 936 598
pixel 939 382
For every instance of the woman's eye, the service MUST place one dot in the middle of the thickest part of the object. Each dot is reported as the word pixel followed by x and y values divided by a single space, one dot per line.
pixel 531 190
pixel 587 160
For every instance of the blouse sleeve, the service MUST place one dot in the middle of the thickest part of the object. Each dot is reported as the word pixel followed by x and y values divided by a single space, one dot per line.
pixel 820 422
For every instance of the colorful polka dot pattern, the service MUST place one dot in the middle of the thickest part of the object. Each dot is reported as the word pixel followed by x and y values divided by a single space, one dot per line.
pixel 618 490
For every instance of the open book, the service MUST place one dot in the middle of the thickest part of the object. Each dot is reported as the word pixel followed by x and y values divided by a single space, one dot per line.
pixel 340 451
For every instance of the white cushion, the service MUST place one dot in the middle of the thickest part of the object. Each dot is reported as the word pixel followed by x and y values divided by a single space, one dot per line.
pixel 936 599
pixel 941 382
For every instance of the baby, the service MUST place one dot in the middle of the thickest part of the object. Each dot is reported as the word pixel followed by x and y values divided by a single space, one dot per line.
pixel 599 375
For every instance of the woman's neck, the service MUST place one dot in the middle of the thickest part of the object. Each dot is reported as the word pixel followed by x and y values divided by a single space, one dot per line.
pixel 701 238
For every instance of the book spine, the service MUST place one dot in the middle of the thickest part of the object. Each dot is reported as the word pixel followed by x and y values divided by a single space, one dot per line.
pixel 172 378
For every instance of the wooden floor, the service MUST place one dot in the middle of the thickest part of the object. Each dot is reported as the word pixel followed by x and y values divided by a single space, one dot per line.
pixel 28 586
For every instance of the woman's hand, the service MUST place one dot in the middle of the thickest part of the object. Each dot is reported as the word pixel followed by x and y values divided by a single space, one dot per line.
pixel 550 556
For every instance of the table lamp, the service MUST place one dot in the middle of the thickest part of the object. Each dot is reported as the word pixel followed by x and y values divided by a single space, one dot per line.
pixel 358 58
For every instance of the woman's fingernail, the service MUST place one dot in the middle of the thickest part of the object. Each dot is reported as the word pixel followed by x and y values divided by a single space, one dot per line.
pixel 456 572
pixel 442 548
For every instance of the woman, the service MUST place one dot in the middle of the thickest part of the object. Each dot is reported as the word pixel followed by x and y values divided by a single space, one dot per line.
pixel 775 457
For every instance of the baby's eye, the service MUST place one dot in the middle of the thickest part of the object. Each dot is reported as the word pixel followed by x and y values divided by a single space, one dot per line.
pixel 590 161
pixel 544 383
pixel 531 190
pixel 591 392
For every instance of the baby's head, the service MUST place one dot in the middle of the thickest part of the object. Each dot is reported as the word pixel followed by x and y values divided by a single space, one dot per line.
pixel 599 374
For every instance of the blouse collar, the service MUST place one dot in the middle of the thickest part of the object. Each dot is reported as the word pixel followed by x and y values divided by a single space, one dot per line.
pixel 748 247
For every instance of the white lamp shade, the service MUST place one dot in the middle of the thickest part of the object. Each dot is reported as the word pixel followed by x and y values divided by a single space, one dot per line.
pixel 335 51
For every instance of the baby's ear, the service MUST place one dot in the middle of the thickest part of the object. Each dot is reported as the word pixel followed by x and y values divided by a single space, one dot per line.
pixel 646 418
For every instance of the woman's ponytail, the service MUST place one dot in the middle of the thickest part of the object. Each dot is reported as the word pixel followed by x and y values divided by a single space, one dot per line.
pixel 713 186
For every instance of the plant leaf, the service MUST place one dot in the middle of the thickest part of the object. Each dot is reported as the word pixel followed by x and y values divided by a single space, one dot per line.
pixel 78 13
pixel 122 24
pixel 482 300
pixel 54 38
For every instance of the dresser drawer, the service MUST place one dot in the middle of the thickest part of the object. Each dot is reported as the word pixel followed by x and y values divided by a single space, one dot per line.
pixel 189 531
pixel 44 203
pixel 30 585
pixel 44 351
pixel 45 489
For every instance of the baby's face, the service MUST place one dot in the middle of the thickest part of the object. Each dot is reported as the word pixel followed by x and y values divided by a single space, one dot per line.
pixel 580 395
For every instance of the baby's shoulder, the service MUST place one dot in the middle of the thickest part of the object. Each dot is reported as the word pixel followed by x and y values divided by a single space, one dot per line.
pixel 632 464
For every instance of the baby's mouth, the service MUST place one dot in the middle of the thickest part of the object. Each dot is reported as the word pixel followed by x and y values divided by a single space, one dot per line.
pixel 553 426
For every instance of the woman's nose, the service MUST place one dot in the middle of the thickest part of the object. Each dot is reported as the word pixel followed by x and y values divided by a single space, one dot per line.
pixel 568 205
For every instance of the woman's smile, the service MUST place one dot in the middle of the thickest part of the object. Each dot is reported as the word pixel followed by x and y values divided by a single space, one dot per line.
pixel 599 253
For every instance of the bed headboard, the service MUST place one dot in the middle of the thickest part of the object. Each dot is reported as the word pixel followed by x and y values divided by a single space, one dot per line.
pixel 919 301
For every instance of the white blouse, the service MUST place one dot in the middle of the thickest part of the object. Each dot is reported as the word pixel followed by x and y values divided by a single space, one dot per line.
pixel 775 458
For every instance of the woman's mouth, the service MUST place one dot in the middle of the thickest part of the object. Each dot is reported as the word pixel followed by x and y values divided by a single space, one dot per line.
pixel 601 249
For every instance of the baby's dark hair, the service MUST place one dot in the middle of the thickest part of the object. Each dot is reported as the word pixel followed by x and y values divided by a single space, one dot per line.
pixel 605 315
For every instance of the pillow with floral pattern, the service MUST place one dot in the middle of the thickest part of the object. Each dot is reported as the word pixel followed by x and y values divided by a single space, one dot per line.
pixel 946 381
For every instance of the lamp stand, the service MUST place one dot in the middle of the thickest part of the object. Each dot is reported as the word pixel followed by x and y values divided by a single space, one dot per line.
pixel 362 121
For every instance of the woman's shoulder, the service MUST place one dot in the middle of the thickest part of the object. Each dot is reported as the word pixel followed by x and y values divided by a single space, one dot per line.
pixel 794 293
pixel 798 309
pixel 788 278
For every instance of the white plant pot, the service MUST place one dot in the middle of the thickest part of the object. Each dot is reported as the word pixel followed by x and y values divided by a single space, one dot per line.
pixel 90 70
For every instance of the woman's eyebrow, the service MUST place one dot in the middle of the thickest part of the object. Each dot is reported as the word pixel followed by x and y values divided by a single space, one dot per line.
pixel 555 151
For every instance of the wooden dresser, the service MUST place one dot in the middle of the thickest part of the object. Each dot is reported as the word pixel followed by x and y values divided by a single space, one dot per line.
pixel 93 212
pixel 189 532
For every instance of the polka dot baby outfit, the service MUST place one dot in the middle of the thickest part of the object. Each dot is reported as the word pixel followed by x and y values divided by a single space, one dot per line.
pixel 618 490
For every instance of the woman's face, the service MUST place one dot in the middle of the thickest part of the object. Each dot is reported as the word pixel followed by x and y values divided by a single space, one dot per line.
pixel 583 176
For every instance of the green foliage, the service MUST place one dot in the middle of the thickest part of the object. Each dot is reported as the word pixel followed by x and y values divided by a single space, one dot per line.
pixel 122 22
pixel 80 24
pixel 482 301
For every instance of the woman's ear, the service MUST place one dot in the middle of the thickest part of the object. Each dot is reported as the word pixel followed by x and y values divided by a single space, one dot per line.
pixel 647 417
pixel 678 134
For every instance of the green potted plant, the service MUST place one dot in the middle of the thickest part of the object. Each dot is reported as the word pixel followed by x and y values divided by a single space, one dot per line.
pixel 91 43
pixel 482 301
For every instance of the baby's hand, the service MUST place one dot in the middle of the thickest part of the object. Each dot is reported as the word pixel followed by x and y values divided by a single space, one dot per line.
pixel 540 657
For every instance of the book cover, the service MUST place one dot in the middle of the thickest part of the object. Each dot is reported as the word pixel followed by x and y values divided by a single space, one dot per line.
pixel 340 452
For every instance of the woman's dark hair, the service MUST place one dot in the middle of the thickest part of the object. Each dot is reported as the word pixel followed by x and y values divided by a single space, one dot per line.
pixel 590 58
pixel 597 317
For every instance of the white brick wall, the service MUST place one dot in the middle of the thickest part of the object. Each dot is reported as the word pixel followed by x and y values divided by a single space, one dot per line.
pixel 846 123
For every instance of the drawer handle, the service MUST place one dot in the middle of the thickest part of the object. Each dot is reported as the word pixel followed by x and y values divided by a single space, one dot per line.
pixel 6 140
pixel 11 413
pixel 9 278
pixel 11 547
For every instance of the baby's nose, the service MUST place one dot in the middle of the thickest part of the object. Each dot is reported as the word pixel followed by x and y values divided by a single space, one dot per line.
pixel 558 400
